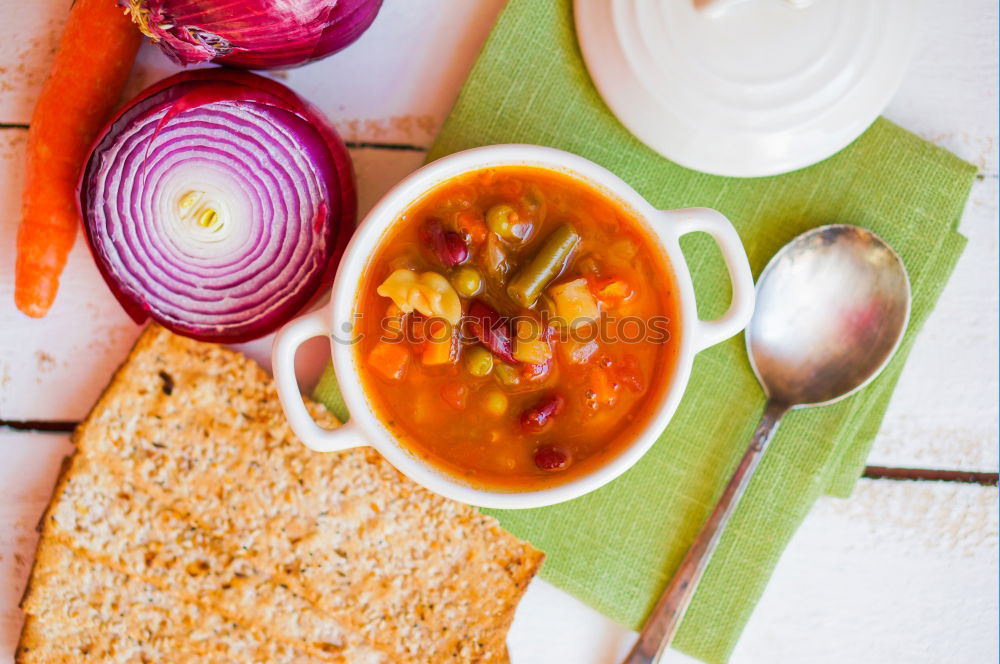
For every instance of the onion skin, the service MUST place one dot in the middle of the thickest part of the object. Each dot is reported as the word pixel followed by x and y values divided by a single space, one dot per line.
pixel 252 34
pixel 281 163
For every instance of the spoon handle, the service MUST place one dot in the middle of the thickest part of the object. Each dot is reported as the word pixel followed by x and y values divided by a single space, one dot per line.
pixel 662 624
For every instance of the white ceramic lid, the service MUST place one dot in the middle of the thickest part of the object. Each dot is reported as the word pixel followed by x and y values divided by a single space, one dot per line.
pixel 746 87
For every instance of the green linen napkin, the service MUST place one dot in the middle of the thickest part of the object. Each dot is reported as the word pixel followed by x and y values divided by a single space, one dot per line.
pixel 616 548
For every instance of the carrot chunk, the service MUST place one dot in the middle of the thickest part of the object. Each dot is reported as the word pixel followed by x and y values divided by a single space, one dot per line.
pixel 440 346
pixel 390 360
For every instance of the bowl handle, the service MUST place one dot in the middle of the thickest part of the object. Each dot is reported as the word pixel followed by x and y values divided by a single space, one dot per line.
pixel 705 220
pixel 286 342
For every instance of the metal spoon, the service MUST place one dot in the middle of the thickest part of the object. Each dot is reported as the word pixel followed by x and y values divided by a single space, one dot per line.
pixel 832 307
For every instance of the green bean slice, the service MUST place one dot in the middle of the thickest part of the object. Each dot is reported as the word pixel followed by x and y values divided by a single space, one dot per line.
pixel 528 284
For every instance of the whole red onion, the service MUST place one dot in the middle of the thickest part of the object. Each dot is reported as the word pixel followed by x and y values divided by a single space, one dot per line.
pixel 254 34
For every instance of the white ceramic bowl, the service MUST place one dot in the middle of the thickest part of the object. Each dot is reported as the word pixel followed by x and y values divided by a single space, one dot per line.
pixel 364 426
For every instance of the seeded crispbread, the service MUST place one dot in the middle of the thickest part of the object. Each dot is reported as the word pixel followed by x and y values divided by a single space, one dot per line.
pixel 360 556
pixel 85 610
pixel 319 521
pixel 106 517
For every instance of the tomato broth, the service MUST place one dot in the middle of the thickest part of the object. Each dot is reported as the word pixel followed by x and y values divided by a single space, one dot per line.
pixel 517 328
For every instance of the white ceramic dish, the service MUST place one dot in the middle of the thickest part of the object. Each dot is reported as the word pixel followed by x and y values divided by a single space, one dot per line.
pixel 747 88
pixel 364 427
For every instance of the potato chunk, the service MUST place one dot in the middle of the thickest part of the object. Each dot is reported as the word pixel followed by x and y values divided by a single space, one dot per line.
pixel 575 304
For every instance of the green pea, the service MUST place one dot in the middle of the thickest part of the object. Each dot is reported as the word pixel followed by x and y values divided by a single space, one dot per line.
pixel 466 281
pixel 502 220
pixel 478 361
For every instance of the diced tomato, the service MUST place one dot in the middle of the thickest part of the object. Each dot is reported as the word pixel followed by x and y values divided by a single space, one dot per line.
pixel 511 188
pixel 389 359
pixel 471 225
pixel 609 290
pixel 536 372
pixel 603 389
pixel 629 373
pixel 455 395
pixel 615 290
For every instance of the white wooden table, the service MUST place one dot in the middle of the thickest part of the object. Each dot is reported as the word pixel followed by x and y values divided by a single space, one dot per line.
pixel 904 571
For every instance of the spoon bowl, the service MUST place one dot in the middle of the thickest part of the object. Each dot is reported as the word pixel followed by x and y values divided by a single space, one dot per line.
pixel 831 309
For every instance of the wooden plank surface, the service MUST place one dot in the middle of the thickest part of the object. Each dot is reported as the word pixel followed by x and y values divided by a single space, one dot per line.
pixel 394 85
pixel 898 573
pixel 29 464
pixel 944 412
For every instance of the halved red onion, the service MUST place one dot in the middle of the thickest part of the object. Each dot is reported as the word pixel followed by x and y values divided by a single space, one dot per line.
pixel 217 203
pixel 256 34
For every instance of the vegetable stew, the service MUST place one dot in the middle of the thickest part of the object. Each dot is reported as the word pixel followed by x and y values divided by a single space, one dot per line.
pixel 516 327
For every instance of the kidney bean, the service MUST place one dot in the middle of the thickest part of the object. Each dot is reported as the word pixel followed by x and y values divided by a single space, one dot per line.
pixel 447 246
pixel 535 418
pixel 458 252
pixel 551 458
pixel 492 329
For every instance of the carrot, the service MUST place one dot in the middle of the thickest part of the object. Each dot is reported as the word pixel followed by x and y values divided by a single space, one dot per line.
pixel 604 390
pixel 389 359
pixel 91 66
pixel 439 346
